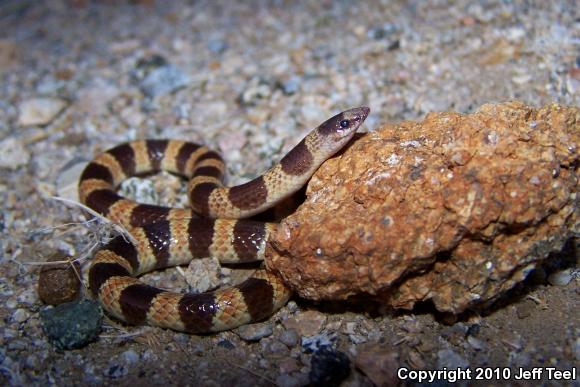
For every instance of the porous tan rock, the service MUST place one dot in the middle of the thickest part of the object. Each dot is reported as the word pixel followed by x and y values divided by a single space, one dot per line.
pixel 455 209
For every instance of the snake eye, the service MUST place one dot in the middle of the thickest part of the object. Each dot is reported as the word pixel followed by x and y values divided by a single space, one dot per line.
pixel 344 123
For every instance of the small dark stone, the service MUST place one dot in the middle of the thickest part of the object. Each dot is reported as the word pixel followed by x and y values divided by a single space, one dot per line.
pixel 146 64
pixel 328 367
pixel 225 343
pixel 72 325
pixel 382 32
pixel 116 371
pixel 290 338
pixel 59 283
pixel 473 330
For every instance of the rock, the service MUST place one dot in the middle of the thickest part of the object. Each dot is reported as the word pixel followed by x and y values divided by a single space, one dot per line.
pixel 456 209
pixel 561 277
pixel 315 343
pixel 142 190
pixel 156 77
pixel 130 356
pixel 59 283
pixel 13 154
pixel 379 365
pixel 328 368
pixel 290 338
pixel 20 315
pixel 225 343
pixel 306 323
pixel 72 325
pixel 255 332
pixel 116 371
pixel 277 348
pixel 39 110
pixel 203 274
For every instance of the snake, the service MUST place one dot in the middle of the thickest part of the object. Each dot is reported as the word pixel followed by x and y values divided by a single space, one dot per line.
pixel 215 225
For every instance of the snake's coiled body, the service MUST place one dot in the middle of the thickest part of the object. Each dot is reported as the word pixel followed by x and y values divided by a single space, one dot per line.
pixel 172 236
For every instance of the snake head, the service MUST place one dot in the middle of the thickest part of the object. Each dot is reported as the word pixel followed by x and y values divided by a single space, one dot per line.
pixel 344 124
pixel 338 130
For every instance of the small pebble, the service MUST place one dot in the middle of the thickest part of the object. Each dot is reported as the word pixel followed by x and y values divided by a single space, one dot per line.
pixel 141 190
pixel 475 343
pixel 39 111
pixel 290 338
pixel 20 315
pixel 13 154
pixel 561 277
pixel 357 339
pixel 278 347
pixel 255 332
pixel 307 323
pixel 314 343
pixel 28 297
pixel 203 274
pixel 157 77
pixel 263 363
pixel 130 356
pixel 18 345
pixel 116 371
pixel 225 343
pixel 32 362
pixel 11 304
